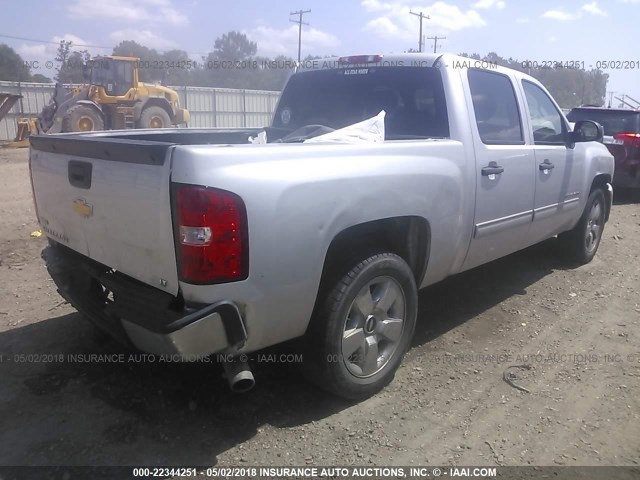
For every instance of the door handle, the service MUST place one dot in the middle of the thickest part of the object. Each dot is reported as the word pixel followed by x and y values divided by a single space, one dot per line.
pixel 546 165
pixel 492 169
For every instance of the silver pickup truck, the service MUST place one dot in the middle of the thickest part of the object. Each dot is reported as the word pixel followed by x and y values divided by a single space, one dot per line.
pixel 192 242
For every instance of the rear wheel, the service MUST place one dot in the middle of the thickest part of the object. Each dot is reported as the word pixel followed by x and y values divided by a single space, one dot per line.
pixel 363 328
pixel 154 117
pixel 82 118
pixel 582 242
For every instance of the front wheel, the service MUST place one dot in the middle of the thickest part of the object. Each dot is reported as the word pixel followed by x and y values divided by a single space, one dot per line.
pixel 582 242
pixel 363 328
pixel 154 117
pixel 82 118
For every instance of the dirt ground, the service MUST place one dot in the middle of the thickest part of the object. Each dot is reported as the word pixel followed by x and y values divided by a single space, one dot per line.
pixel 577 328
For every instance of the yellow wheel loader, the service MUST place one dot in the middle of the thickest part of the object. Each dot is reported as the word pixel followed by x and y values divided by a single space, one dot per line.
pixel 114 99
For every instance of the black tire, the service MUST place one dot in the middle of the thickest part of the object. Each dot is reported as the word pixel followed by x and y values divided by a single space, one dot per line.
pixel 82 118
pixel 581 243
pixel 340 323
pixel 154 117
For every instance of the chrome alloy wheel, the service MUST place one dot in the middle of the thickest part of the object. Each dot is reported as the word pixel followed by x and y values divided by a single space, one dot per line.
pixel 373 327
pixel 595 222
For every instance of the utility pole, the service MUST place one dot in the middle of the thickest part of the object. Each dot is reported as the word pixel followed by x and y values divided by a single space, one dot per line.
pixel 611 98
pixel 435 41
pixel 299 21
pixel 422 17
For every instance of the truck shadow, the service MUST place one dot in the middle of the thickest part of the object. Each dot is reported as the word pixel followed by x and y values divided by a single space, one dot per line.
pixel 59 406
pixel 142 412
pixel 452 302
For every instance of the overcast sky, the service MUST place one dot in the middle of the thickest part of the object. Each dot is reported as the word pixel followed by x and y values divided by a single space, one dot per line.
pixel 564 30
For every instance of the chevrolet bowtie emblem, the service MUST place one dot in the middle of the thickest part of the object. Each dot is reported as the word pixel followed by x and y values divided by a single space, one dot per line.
pixel 82 208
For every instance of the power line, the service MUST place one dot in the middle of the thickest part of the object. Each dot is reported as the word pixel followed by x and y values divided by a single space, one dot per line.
pixel 435 42
pixel 53 43
pixel 300 13
pixel 422 17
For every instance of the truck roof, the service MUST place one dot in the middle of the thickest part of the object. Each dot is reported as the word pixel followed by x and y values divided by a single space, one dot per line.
pixel 608 109
pixel 446 60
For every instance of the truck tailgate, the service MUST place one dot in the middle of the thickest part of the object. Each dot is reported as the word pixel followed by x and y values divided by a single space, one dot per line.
pixel 108 199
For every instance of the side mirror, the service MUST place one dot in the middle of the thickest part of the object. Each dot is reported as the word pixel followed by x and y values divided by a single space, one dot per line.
pixel 587 131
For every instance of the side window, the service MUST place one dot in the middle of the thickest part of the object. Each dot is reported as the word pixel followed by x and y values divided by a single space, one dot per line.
pixel 123 78
pixel 546 121
pixel 496 108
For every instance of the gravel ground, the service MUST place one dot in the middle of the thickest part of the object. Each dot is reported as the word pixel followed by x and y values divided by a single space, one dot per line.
pixel 576 328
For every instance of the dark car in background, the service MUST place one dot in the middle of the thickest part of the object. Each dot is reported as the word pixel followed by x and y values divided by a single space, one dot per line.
pixel 622 138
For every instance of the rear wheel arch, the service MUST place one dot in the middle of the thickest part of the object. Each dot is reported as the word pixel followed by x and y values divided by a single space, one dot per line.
pixel 408 237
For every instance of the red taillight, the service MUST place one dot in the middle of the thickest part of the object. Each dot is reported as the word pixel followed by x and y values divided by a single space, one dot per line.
pixel 629 138
pixel 360 59
pixel 211 235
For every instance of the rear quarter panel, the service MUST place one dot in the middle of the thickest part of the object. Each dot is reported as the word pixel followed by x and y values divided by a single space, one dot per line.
pixel 299 197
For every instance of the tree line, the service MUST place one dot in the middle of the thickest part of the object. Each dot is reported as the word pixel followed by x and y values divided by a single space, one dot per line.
pixel 234 63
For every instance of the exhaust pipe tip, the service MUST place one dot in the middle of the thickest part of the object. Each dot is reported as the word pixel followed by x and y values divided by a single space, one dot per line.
pixel 242 382
pixel 239 376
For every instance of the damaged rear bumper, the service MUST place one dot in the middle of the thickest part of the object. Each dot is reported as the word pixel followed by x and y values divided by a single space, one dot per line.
pixel 214 328
pixel 142 316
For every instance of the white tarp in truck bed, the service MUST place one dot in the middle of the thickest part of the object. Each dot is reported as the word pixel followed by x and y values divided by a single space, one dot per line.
pixel 367 131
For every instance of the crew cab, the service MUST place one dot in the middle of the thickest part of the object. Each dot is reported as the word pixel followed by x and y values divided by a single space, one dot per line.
pixel 194 242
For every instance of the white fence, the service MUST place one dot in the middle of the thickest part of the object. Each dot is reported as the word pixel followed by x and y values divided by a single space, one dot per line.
pixel 209 107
